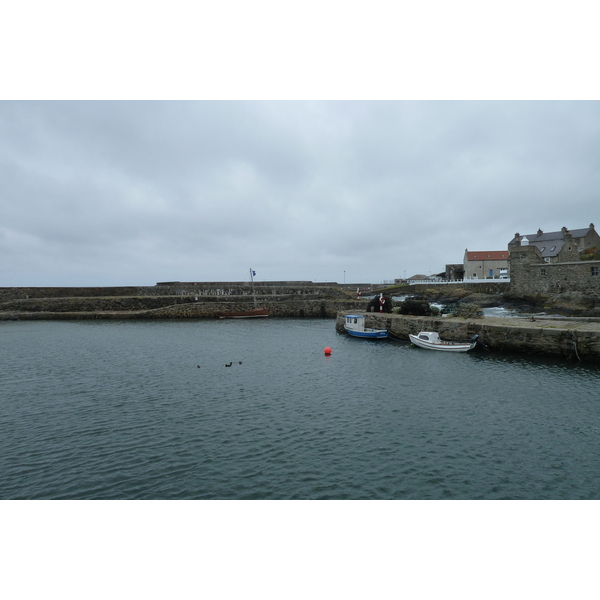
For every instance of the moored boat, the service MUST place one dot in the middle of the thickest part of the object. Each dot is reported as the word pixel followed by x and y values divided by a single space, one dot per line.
pixel 244 314
pixel 355 326
pixel 431 340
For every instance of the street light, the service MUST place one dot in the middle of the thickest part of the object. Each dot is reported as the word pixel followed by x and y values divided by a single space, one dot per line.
pixel 344 277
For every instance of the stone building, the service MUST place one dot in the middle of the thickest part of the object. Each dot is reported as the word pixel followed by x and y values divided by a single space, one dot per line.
pixel 559 246
pixel 533 273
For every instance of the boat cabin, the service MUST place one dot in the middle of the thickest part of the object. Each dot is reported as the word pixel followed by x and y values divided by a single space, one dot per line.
pixel 354 322
pixel 430 336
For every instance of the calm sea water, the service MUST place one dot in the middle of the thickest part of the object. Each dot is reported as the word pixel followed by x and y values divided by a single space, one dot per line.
pixel 141 410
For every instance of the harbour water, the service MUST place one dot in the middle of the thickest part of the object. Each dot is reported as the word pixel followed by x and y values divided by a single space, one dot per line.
pixel 149 410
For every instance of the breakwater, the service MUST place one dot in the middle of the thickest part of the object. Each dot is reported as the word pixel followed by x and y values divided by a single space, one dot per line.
pixel 180 289
pixel 173 301
pixel 576 339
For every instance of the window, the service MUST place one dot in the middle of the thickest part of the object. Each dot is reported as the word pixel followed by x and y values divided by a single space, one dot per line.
pixel 594 271
pixel 543 248
pixel 553 249
pixel 543 272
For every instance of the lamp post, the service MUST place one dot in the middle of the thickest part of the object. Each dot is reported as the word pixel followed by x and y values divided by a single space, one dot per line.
pixel 344 277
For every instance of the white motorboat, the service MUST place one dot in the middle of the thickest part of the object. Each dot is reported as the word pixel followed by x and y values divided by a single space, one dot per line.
pixel 431 340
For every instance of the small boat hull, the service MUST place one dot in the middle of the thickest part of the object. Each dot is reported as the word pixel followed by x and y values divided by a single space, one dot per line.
pixel 370 334
pixel 245 314
pixel 430 340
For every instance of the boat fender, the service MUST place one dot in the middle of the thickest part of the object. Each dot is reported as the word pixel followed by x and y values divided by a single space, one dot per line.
pixel 479 343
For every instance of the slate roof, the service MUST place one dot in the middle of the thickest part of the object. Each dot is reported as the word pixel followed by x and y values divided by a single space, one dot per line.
pixel 551 243
pixel 534 238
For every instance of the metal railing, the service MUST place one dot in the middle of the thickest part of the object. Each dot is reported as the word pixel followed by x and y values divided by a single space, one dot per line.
pixel 445 282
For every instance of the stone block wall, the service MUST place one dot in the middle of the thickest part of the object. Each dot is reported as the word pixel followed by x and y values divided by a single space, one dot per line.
pixel 531 275
pixel 483 287
pixel 22 293
pixel 218 289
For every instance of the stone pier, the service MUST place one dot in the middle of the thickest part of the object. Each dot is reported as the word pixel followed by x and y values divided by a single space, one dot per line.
pixel 173 302
pixel 573 338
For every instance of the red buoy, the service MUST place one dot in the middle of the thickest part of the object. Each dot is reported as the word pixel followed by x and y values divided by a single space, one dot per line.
pixel 327 351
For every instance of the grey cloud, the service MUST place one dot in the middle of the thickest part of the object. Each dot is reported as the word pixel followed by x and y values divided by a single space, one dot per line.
pixel 103 192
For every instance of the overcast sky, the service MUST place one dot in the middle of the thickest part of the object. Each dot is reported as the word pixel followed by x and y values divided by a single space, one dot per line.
pixel 136 192
pixel 345 174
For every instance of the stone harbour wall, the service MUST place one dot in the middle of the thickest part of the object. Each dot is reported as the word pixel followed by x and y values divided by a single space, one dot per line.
pixel 576 339
pixel 174 289
pixel 141 303
pixel 21 293
pixel 480 287
pixel 169 307
pixel 174 300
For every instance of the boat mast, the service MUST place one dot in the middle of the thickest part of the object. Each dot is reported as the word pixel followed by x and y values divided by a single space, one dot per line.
pixel 252 283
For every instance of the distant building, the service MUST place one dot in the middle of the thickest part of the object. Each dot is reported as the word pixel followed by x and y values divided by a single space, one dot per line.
pixel 487 264
pixel 455 272
pixel 559 246
pixel 552 262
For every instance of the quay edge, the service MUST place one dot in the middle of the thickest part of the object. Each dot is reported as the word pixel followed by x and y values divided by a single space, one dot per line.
pixel 575 339
pixel 167 308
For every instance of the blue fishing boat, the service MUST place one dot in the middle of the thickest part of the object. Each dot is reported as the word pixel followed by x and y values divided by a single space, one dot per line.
pixel 355 326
